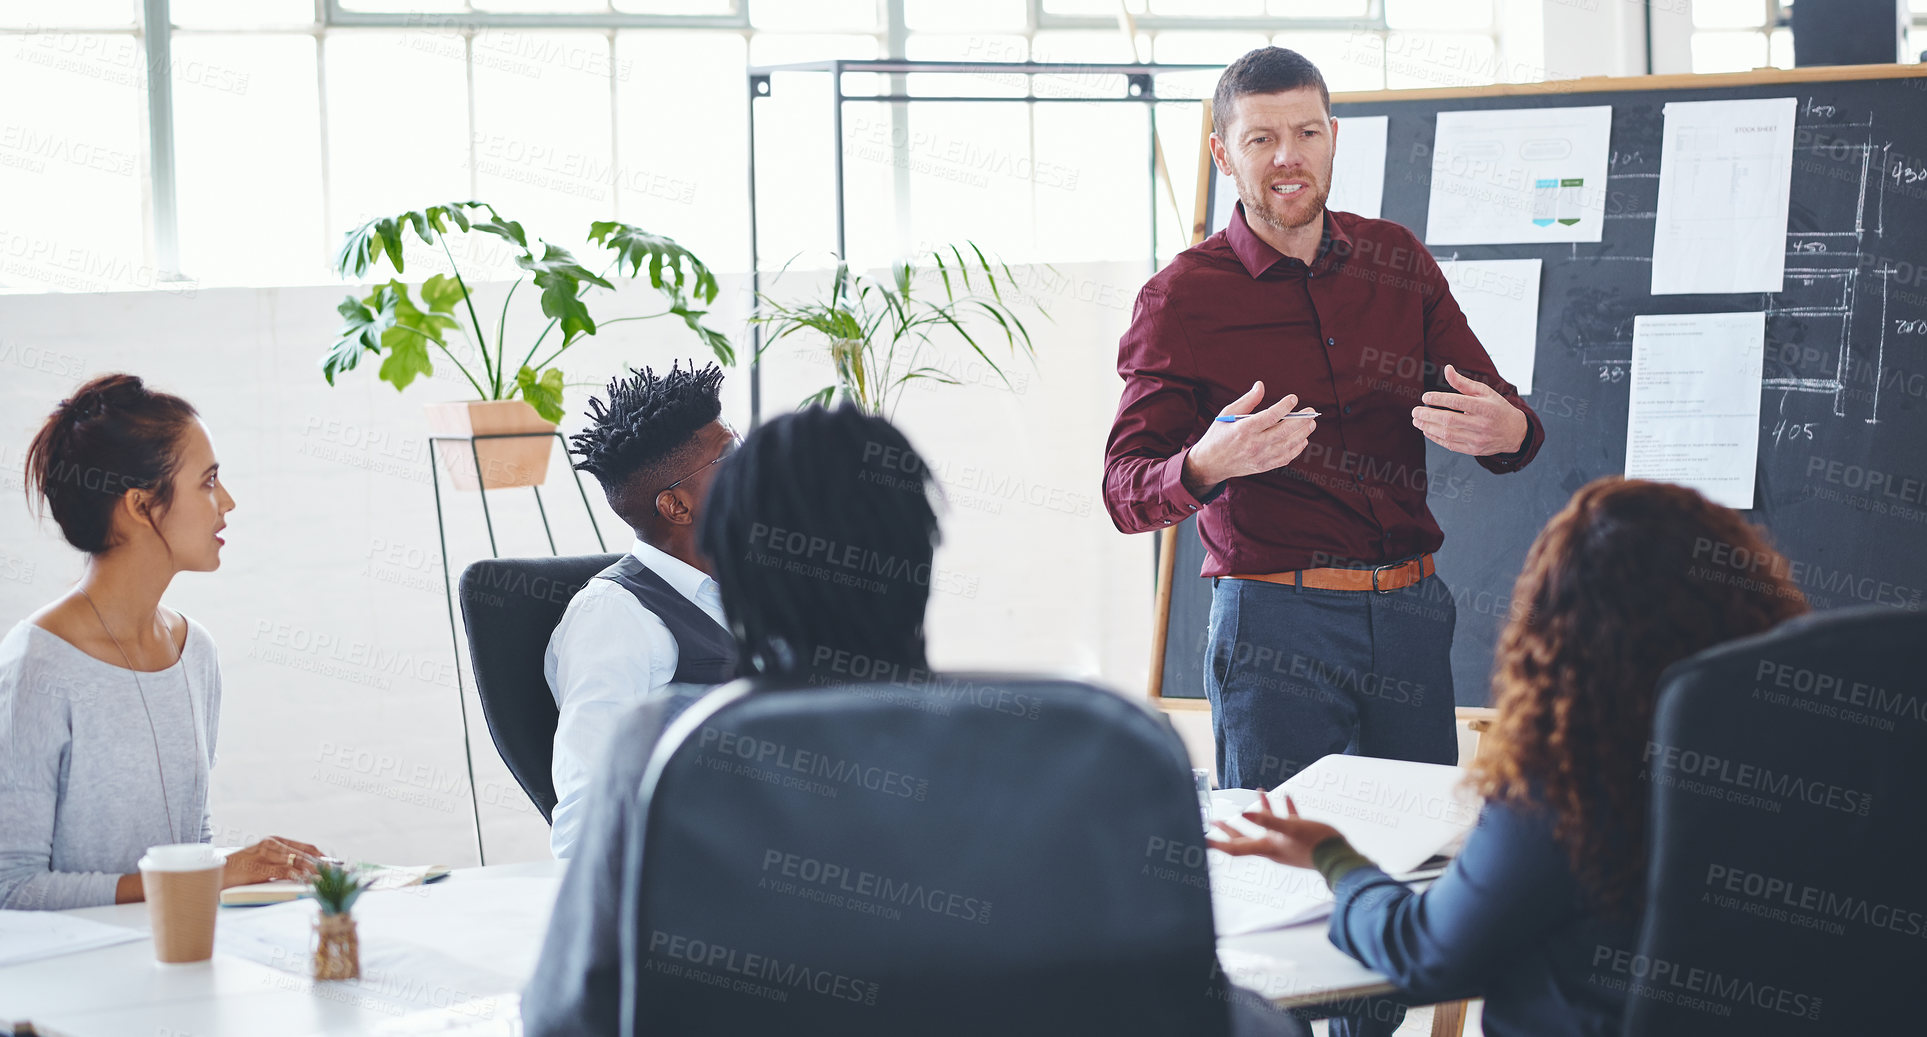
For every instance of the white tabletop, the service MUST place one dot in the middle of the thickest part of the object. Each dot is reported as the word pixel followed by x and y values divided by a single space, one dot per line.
pixel 121 990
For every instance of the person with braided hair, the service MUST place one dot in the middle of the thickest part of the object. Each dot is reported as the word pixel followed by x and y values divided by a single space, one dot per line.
pixel 822 530
pixel 655 616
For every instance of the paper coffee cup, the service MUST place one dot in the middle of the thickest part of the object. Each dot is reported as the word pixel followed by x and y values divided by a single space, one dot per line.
pixel 182 882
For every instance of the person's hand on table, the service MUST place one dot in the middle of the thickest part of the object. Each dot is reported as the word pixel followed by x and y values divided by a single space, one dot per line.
pixel 1259 443
pixel 1476 420
pixel 1287 840
pixel 268 860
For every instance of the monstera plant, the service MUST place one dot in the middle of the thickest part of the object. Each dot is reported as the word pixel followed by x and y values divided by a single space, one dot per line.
pixel 409 329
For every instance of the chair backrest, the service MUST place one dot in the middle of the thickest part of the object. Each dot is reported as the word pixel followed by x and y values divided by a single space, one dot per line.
pixel 970 855
pixel 1788 833
pixel 511 606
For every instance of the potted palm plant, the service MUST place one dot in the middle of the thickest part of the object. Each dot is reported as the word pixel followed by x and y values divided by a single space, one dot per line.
pixel 337 950
pixel 880 336
pixel 523 399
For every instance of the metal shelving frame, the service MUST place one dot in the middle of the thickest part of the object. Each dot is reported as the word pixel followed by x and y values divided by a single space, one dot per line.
pixel 448 581
pixel 1138 80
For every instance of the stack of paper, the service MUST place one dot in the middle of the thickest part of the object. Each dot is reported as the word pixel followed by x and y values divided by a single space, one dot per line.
pixel 1402 815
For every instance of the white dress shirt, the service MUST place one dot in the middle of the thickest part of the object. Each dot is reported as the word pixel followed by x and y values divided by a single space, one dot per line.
pixel 606 655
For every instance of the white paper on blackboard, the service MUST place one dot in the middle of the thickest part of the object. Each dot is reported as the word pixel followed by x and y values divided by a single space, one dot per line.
pixel 1725 168
pixel 1500 299
pixel 1694 417
pixel 1521 175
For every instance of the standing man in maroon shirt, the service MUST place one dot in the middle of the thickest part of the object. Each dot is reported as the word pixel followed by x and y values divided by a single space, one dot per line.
pixel 1329 631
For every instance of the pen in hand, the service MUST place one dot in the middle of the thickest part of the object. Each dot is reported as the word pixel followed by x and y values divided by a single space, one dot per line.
pixel 1228 418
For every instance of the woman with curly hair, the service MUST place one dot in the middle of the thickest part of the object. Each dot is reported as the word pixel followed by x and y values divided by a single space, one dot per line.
pixel 1620 585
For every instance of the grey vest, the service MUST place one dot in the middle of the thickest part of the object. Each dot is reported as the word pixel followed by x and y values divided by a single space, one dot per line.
pixel 705 652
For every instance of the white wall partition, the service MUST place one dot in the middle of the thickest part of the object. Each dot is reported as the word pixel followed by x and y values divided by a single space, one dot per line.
pixel 340 724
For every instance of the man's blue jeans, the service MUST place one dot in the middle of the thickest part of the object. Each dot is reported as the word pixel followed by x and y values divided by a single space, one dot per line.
pixel 1294 674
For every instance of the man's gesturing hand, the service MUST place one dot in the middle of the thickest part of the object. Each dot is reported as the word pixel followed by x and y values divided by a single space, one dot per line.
pixel 1479 422
pixel 1259 443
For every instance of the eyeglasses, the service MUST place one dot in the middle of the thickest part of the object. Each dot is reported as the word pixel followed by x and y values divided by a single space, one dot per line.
pixel 734 442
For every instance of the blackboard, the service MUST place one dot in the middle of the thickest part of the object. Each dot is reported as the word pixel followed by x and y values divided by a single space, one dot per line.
pixel 1841 481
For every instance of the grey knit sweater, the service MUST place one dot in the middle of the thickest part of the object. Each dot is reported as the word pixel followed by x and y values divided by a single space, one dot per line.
pixel 80 786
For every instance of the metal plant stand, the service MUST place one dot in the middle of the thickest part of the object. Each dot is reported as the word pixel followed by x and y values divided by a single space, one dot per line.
pixel 448 583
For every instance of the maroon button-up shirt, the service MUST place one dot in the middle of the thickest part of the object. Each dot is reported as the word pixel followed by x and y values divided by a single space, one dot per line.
pixel 1359 335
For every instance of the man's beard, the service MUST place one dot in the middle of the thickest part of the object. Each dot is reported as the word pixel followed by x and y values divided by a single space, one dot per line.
pixel 1316 210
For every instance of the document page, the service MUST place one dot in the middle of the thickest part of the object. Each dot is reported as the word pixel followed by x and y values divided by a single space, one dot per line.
pixel 1358 167
pixel 1694 418
pixel 31 935
pixel 1521 175
pixel 1358 173
pixel 1725 168
pixel 1396 812
pixel 1500 298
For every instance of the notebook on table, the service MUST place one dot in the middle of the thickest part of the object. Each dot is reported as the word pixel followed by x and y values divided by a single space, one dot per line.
pixel 380 877
pixel 1409 818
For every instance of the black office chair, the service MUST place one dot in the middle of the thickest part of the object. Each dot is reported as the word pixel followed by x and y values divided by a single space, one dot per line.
pixel 978 855
pixel 511 606
pixel 1787 835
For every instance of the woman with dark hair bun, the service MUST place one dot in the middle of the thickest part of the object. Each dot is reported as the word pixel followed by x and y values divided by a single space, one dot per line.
pixel 109 702
pixel 1616 588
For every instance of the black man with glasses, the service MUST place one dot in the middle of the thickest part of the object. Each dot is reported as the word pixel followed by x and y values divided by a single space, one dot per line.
pixel 655 617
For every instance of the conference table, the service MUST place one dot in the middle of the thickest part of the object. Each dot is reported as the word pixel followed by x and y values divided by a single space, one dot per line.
pixel 446 958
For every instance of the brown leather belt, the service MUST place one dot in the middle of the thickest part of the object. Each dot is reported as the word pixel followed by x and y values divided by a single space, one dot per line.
pixel 1389 577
